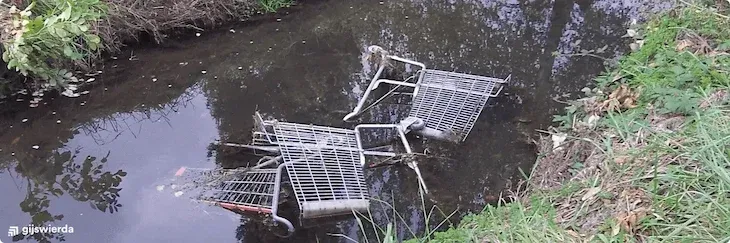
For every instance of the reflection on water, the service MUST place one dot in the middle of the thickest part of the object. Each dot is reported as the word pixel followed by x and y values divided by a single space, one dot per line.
pixel 94 162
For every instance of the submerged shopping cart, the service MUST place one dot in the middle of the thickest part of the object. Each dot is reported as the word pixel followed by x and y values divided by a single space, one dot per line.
pixel 445 105
pixel 324 167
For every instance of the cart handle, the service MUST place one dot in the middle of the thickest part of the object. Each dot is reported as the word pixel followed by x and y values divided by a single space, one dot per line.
pixel 376 80
pixel 275 203
pixel 504 81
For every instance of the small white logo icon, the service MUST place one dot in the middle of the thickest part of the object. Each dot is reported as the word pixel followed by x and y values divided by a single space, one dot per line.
pixel 13 231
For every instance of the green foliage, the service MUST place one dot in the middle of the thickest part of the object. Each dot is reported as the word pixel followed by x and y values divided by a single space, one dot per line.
pixel 49 32
pixel 690 199
pixel 511 222
pixel 689 191
pixel 272 5
pixel 566 119
pixel 389 233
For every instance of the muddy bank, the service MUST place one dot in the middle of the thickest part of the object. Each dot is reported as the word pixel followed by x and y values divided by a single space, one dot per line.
pixel 132 21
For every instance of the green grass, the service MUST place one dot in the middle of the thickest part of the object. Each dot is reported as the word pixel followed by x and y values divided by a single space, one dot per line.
pixel 691 201
pixel 387 232
pixel 683 176
pixel 272 6
pixel 509 222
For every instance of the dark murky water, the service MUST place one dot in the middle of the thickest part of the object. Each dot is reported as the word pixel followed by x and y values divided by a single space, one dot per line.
pixel 101 156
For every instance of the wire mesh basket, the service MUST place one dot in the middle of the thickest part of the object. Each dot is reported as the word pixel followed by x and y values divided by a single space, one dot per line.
pixel 451 102
pixel 323 166
pixel 445 105
pixel 252 191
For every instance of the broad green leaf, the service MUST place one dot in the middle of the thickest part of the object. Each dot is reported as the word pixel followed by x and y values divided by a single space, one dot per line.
pixel 52 30
pixel 66 13
pixel 74 29
pixel 75 16
pixel 12 63
pixel 92 46
pixel 50 21
pixel 687 77
pixel 61 32
pixel 30 6
pixel 93 38
pixel 724 46
pixel 68 51
pixel 678 70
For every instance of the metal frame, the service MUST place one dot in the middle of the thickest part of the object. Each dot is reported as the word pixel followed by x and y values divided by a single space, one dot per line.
pixel 329 179
pixel 402 135
pixel 448 99
pixel 257 190
pixel 269 128
pixel 323 164
pixel 250 196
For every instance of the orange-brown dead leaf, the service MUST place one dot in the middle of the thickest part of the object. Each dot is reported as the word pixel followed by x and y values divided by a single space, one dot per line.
pixel 15 141
pixel 628 221
pixel 621 98
pixel 620 160
pixel 683 44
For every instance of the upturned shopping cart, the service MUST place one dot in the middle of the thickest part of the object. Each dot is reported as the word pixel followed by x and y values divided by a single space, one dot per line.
pixel 445 105
pixel 324 167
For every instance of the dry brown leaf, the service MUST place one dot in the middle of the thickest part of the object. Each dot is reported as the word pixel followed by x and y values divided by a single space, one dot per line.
pixel 683 44
pixel 715 98
pixel 15 140
pixel 629 103
pixel 628 221
pixel 620 160
pixel 621 98
pixel 590 239
pixel 591 193
pixel 632 193
pixel 573 234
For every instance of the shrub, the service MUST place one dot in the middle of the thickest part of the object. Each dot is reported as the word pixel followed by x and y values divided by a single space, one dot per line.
pixel 47 34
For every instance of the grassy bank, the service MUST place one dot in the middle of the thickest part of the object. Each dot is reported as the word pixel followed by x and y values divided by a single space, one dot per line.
pixel 44 39
pixel 645 156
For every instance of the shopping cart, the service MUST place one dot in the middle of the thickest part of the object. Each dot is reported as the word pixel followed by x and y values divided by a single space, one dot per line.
pixel 323 166
pixel 445 105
